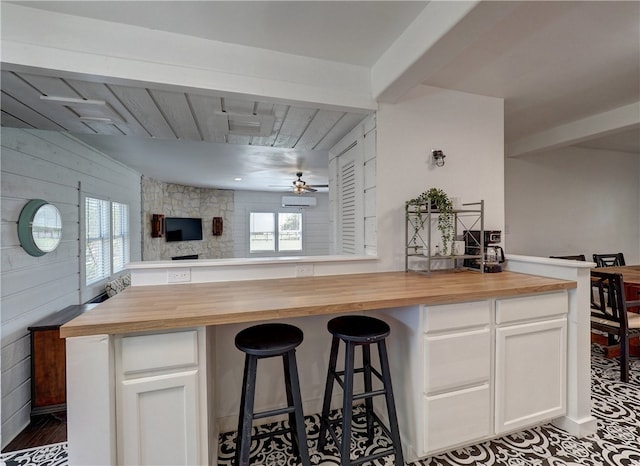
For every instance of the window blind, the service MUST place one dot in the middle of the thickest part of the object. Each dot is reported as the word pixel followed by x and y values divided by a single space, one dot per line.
pixel 97 240
pixel 120 242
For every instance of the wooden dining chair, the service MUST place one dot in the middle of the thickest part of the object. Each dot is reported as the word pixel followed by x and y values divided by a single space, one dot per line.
pixel 609 260
pixel 577 257
pixel 609 313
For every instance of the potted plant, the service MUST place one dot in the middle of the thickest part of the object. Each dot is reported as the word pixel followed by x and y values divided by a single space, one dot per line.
pixel 438 200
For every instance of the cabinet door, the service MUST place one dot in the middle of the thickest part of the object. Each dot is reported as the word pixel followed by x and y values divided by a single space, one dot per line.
pixel 530 373
pixel 159 419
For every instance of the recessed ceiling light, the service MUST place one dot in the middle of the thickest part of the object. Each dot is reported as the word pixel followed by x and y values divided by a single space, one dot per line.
pixel 237 178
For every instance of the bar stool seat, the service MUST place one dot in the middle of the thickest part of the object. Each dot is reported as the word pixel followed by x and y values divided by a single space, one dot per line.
pixel 363 331
pixel 266 341
pixel 359 329
pixel 269 340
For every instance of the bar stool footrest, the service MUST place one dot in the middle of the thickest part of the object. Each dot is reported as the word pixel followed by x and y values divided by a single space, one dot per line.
pixel 360 396
pixel 274 412
pixel 339 375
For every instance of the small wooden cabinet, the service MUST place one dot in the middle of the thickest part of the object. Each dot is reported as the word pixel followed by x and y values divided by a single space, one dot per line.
pixel 48 361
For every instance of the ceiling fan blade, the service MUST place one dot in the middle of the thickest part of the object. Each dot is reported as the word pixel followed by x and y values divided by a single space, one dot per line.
pixel 309 189
pixel 318 185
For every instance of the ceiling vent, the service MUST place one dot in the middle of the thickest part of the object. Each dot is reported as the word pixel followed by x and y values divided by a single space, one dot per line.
pixel 244 124
pixel 298 201
pixel 96 111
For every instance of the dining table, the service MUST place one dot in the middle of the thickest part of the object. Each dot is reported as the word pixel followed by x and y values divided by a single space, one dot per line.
pixel 631 278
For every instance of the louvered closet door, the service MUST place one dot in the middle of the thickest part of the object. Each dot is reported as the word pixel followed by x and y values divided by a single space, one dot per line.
pixel 351 201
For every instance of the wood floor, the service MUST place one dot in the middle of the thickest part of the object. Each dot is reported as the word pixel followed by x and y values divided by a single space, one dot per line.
pixel 43 430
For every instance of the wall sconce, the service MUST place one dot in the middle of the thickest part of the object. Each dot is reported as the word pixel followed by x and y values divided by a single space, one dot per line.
pixel 438 157
pixel 216 226
pixel 157 226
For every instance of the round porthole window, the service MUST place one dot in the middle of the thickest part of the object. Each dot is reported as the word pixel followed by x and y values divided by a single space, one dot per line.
pixel 39 227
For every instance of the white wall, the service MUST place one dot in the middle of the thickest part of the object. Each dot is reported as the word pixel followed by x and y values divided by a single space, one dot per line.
pixel 574 201
pixel 468 128
pixel 315 220
pixel 50 166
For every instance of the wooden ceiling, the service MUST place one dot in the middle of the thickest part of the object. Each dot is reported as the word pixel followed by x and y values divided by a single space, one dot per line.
pixel 56 103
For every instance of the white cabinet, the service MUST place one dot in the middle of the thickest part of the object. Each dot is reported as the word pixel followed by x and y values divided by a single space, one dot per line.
pixel 457 373
pixel 159 418
pixel 531 355
pixel 161 398
pixel 477 370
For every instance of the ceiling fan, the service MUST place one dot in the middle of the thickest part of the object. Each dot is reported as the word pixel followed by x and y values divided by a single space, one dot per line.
pixel 300 186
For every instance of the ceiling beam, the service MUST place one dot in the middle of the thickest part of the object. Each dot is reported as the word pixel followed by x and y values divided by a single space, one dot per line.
pixel 74 46
pixel 438 34
pixel 602 124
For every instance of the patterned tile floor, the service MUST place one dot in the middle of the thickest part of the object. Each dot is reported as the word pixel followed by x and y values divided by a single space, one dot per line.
pixel 616 406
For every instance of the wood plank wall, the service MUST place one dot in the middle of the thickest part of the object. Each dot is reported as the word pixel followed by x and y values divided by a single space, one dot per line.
pixel 315 220
pixel 51 166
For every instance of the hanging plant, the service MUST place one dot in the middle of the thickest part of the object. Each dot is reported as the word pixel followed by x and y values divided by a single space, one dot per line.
pixel 438 200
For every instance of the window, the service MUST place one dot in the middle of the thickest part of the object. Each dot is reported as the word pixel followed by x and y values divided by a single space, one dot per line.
pixel 289 231
pixel 107 238
pixel 265 235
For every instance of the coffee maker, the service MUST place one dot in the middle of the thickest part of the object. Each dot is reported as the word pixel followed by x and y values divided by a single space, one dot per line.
pixel 485 245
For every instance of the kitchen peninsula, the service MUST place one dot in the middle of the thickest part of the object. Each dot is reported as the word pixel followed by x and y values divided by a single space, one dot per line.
pixel 152 372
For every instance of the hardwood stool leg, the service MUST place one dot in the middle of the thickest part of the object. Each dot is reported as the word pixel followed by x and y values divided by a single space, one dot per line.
pixel 391 404
pixel 298 425
pixel 289 393
pixel 245 421
pixel 347 404
pixel 328 392
pixel 368 387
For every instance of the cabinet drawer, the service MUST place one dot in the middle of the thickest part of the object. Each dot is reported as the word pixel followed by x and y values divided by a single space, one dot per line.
pixel 531 307
pixel 458 359
pixel 458 315
pixel 159 351
pixel 456 418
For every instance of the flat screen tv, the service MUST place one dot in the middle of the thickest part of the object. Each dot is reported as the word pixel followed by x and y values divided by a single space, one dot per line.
pixel 183 229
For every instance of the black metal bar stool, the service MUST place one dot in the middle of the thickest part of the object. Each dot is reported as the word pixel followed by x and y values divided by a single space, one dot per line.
pixel 359 331
pixel 266 341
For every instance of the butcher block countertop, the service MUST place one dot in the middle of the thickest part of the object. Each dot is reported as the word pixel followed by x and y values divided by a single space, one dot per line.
pixel 165 307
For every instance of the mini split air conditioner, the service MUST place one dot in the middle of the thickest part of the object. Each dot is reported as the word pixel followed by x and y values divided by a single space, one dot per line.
pixel 298 201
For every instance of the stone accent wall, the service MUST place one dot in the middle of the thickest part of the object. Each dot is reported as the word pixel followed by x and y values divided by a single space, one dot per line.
pixel 174 200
